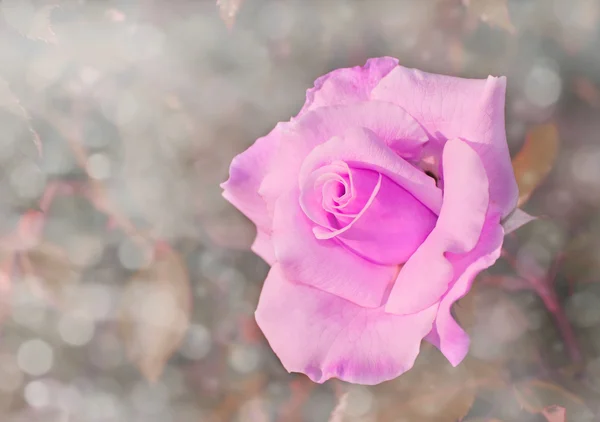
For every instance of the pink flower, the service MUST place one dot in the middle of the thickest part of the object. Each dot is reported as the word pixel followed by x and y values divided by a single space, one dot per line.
pixel 376 207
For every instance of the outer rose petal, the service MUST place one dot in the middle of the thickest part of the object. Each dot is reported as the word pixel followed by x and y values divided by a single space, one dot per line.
pixel 263 247
pixel 362 148
pixel 428 273
pixel 446 334
pixel 325 336
pixel 246 174
pixel 324 264
pixel 348 85
pixel 469 109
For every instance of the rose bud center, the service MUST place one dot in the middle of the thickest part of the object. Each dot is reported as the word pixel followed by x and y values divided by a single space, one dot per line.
pixel 365 211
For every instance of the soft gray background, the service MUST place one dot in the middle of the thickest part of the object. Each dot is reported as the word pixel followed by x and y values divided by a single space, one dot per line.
pixel 149 100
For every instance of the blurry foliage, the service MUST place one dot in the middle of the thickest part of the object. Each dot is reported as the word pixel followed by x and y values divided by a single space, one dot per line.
pixel 535 159
pixel 155 312
pixel 492 12
pixel 126 287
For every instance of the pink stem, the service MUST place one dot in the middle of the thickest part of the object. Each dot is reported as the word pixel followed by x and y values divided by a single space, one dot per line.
pixel 550 299
pixel 543 287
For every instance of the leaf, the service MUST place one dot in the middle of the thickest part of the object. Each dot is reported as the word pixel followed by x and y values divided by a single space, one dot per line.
pixel 535 396
pixel 228 10
pixel 155 313
pixel 50 273
pixel 515 220
pixel 433 390
pixel 29 21
pixel 535 160
pixel 492 12
pixel 227 408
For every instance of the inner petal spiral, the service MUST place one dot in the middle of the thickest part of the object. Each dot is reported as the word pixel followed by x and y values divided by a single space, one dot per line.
pixel 366 211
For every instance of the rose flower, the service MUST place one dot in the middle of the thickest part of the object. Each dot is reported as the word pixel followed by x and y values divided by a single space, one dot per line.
pixel 376 207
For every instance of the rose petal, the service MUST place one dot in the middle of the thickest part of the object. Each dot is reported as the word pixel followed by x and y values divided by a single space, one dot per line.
pixel 446 334
pixel 393 225
pixel 362 148
pixel 247 172
pixel 322 234
pixel 324 264
pixel 428 273
pixel 388 121
pixel 263 247
pixel 318 190
pixel 469 109
pixel 324 336
pixel 348 85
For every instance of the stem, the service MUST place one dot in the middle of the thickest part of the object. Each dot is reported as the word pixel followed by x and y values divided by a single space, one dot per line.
pixel 551 302
pixel 544 288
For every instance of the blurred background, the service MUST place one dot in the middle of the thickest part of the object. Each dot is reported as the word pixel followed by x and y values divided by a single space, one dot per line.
pixel 127 288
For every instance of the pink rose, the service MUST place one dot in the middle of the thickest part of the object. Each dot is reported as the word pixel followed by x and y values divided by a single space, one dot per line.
pixel 376 207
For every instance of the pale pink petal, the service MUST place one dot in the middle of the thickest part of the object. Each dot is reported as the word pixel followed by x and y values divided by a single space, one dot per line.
pixel 469 109
pixel 515 220
pixel 246 174
pixel 321 191
pixel 324 264
pixel 447 335
pixel 263 246
pixel 428 273
pixel 389 122
pixel 348 85
pixel 321 233
pixel 363 148
pixel 324 336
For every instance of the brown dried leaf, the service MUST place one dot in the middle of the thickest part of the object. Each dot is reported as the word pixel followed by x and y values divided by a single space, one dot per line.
pixel 50 273
pixel 226 409
pixel 31 22
pixel 535 396
pixel 535 160
pixel 492 12
pixel 155 313
pixel 228 10
pixel 434 390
